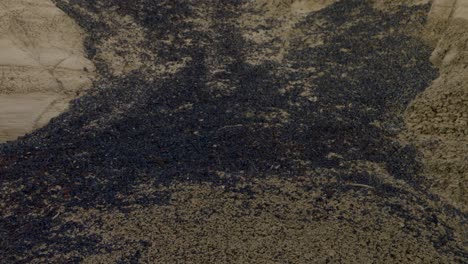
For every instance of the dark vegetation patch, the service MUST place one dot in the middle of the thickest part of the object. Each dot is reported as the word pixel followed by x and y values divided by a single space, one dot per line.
pixel 229 132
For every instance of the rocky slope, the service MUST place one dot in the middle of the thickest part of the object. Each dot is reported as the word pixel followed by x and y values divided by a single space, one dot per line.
pixel 235 132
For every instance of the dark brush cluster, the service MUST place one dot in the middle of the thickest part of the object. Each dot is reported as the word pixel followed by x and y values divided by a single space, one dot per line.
pixel 373 73
pixel 187 129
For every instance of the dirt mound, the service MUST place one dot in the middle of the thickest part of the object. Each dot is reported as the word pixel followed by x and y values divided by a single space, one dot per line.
pixel 295 6
pixel 438 118
pixel 307 224
pixel 285 14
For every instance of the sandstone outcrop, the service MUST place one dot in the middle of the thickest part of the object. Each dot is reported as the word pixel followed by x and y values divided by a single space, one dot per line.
pixel 42 64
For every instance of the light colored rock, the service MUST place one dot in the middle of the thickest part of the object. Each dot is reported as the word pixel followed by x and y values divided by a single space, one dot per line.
pixel 42 59
pixel 19 113
pixel 41 49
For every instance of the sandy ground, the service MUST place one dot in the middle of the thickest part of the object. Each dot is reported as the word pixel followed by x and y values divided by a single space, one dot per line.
pixel 41 51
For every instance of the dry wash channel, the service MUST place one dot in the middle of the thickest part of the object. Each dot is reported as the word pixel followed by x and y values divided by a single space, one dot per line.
pixel 235 132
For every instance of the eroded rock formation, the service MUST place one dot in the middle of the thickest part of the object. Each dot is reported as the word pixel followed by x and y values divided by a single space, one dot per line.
pixel 42 64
